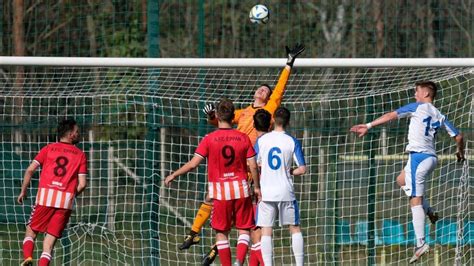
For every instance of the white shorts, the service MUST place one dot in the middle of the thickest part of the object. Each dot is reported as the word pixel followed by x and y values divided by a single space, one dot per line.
pixel 288 213
pixel 419 166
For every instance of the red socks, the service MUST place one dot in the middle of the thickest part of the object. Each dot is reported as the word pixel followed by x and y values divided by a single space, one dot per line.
pixel 256 255
pixel 28 247
pixel 45 259
pixel 242 247
pixel 223 249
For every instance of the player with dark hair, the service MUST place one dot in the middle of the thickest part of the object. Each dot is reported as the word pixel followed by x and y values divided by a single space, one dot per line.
pixel 63 177
pixel 264 98
pixel 425 121
pixel 228 152
pixel 276 152
pixel 262 121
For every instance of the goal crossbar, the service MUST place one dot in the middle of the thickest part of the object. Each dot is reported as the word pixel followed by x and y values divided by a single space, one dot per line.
pixel 233 62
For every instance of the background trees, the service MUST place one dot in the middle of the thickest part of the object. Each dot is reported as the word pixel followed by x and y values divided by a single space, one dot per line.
pixel 344 28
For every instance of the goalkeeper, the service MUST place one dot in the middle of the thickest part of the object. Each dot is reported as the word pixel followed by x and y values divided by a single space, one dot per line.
pixel 264 98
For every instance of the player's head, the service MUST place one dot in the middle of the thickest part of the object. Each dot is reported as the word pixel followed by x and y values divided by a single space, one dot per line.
pixel 225 110
pixel 68 130
pixel 262 120
pixel 263 93
pixel 282 117
pixel 425 89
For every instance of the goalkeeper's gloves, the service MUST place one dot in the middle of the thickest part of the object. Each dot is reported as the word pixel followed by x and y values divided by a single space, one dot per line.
pixel 293 53
pixel 209 110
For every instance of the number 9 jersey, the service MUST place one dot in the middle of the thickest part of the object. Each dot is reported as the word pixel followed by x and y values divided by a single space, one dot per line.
pixel 61 164
pixel 227 151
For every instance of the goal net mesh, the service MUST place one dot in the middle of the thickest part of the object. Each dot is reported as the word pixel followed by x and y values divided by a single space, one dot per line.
pixel 137 124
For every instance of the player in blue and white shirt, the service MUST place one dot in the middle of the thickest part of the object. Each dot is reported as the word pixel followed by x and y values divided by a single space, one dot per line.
pixel 276 152
pixel 425 121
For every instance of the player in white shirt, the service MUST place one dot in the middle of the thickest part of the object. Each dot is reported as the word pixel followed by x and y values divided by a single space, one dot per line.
pixel 276 152
pixel 425 121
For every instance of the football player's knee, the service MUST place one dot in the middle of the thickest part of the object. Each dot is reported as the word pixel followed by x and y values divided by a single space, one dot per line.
pixel 416 200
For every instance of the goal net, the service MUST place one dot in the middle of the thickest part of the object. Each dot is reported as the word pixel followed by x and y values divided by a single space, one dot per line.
pixel 139 123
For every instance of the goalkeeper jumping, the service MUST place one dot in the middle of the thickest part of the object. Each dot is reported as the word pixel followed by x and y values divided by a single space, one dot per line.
pixel 264 98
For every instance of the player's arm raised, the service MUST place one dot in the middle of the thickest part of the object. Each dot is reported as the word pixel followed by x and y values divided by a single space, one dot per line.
pixel 293 53
pixel 210 111
pixel 26 181
pixel 362 129
pixel 277 94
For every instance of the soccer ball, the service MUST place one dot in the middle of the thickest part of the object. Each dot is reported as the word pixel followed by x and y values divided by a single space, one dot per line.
pixel 259 14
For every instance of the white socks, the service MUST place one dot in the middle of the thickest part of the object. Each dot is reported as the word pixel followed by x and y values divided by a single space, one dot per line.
pixel 297 245
pixel 298 250
pixel 419 224
pixel 267 250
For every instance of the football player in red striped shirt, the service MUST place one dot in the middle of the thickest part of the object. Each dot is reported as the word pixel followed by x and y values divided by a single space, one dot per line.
pixel 228 152
pixel 62 178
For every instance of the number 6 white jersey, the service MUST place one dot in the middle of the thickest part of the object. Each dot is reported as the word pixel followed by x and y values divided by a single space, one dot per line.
pixel 275 154
pixel 425 121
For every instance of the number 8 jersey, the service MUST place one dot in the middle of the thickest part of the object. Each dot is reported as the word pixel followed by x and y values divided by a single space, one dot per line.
pixel 425 121
pixel 61 164
pixel 227 151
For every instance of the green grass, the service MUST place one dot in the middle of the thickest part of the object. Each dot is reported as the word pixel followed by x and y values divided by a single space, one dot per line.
pixel 87 245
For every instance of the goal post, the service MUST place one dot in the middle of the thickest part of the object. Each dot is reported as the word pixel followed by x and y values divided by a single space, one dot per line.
pixel 141 118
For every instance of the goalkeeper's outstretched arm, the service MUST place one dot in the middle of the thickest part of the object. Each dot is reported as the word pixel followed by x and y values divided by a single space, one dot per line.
pixel 293 53
pixel 276 97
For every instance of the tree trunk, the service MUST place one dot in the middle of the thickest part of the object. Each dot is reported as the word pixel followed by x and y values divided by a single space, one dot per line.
pixel 430 49
pixel 18 28
pixel 144 15
pixel 379 27
pixel 91 29
pixel 333 30
pixel 18 50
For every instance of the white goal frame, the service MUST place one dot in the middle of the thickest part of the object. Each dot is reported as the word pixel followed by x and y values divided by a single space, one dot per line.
pixel 233 62
pixel 223 63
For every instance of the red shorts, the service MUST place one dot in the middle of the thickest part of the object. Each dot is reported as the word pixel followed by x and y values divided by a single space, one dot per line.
pixel 238 212
pixel 49 220
pixel 255 227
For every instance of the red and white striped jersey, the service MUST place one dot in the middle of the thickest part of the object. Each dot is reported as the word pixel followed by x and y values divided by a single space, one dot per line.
pixel 227 151
pixel 54 198
pixel 61 164
pixel 228 190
